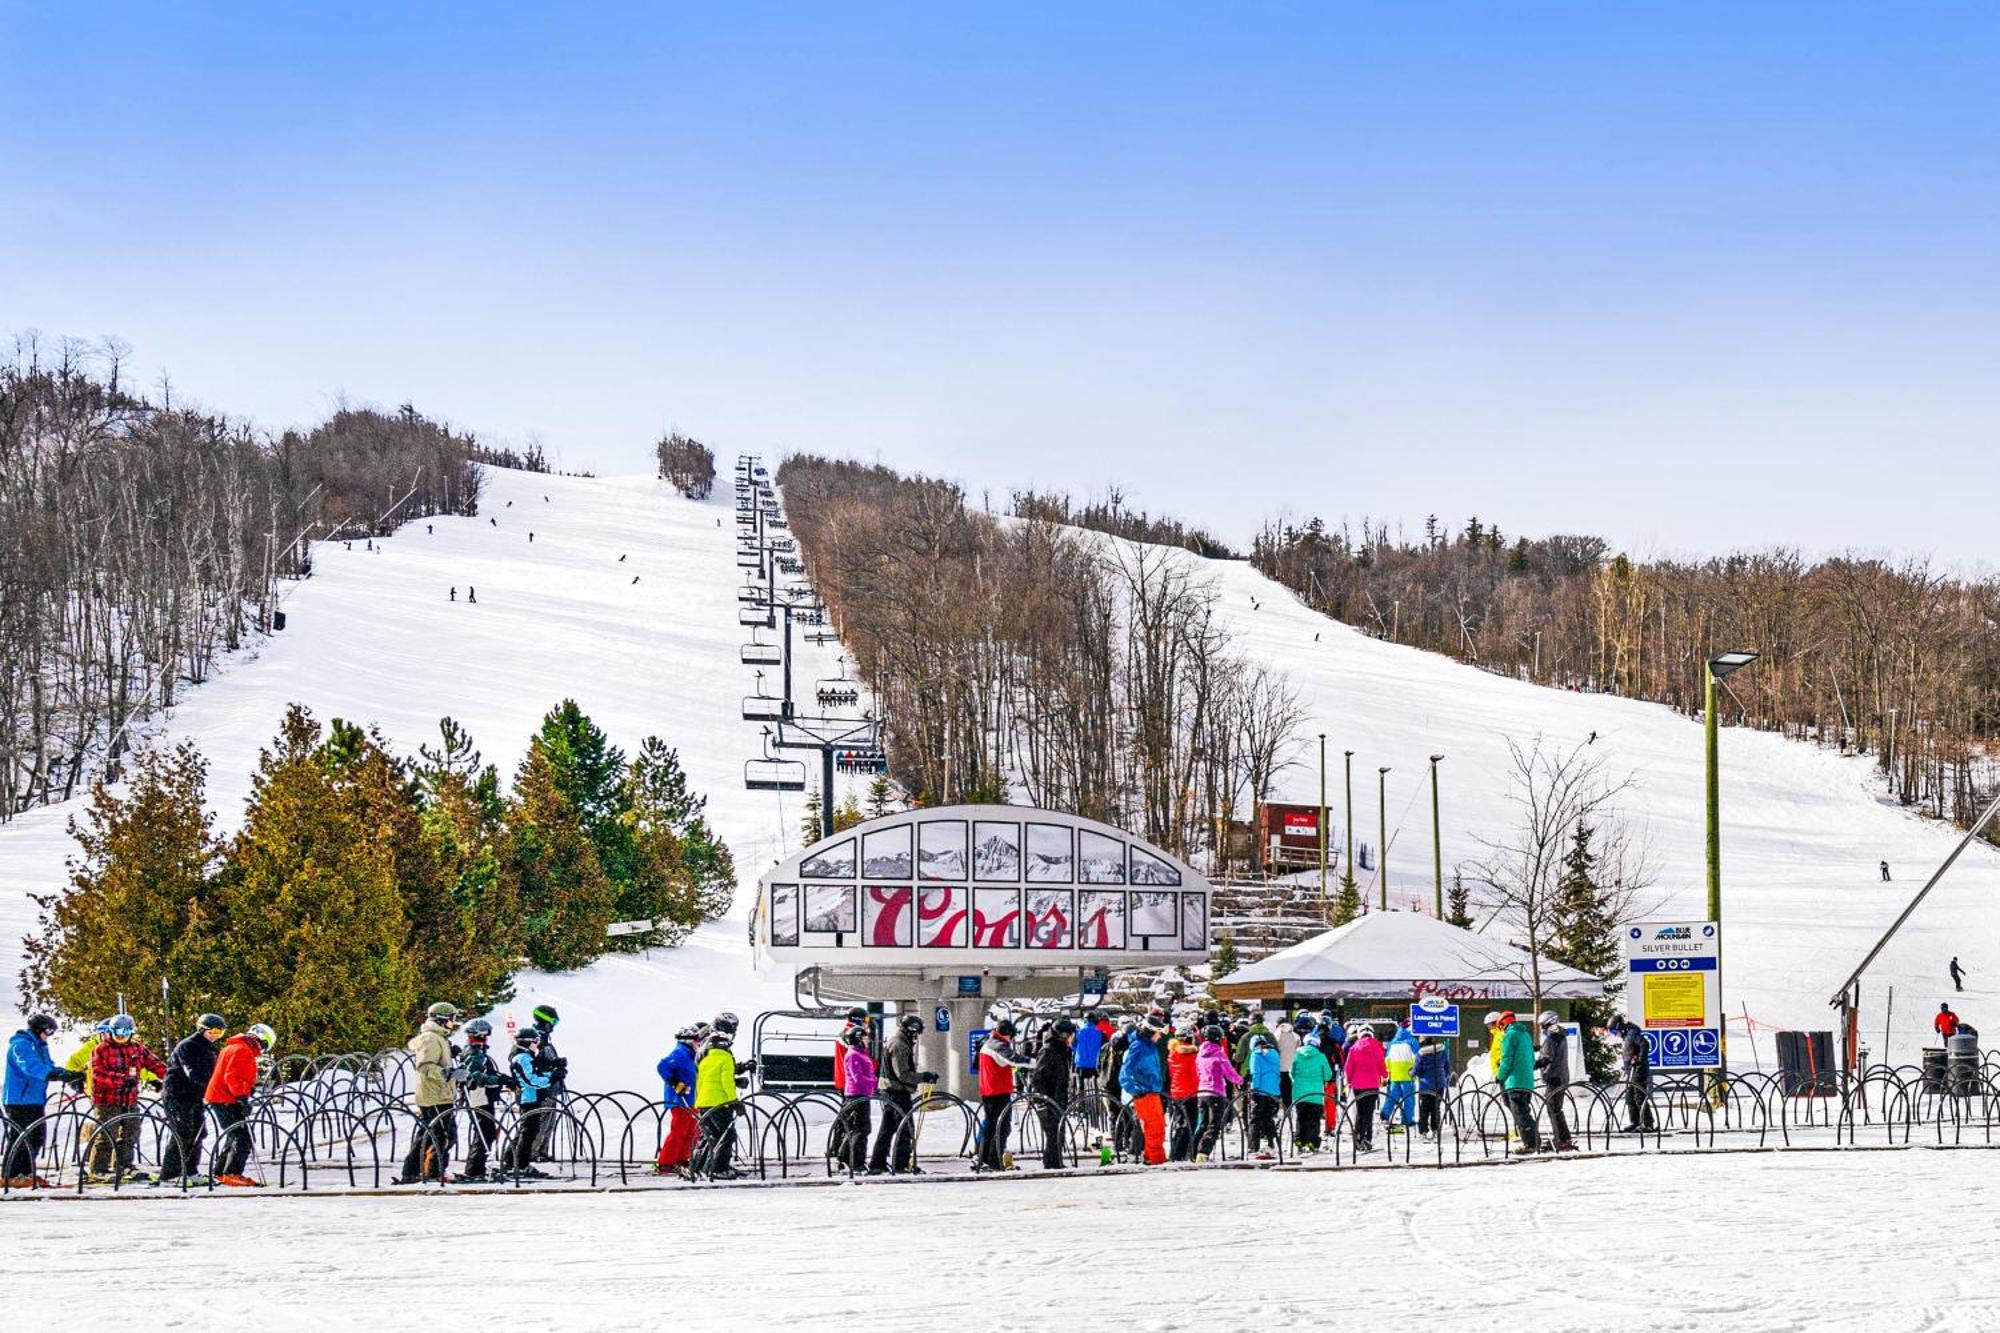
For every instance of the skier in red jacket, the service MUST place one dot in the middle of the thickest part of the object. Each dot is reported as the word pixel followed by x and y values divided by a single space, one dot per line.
pixel 229 1090
pixel 997 1063
pixel 1946 1022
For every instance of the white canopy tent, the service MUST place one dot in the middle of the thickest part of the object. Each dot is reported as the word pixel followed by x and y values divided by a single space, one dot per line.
pixel 1404 956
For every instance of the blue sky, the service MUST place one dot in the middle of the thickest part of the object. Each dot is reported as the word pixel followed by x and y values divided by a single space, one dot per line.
pixel 1694 276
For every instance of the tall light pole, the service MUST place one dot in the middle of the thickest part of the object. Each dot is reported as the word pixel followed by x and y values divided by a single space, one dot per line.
pixel 1322 827
pixel 1437 839
pixel 1382 833
pixel 1350 814
pixel 1720 667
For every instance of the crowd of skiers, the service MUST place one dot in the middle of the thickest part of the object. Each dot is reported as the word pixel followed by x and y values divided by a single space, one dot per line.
pixel 205 1074
pixel 1173 1087
pixel 1163 1090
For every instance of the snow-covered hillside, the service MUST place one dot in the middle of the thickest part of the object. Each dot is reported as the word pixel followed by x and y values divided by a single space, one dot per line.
pixel 373 637
pixel 647 645
pixel 1803 830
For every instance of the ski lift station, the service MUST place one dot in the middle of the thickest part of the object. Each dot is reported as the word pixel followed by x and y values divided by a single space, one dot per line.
pixel 949 909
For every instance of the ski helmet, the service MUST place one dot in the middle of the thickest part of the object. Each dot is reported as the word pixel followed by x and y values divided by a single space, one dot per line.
pixel 1065 1028
pixel 691 1033
pixel 545 1016
pixel 1258 1040
pixel 1303 1024
pixel 121 1025
pixel 1548 1018
pixel 722 1037
pixel 102 1028
pixel 1004 1028
pixel 444 1011
pixel 1211 1033
pixel 262 1032
pixel 41 1025
pixel 210 1023
pixel 856 1036
pixel 528 1036
pixel 912 1024
pixel 857 1015
pixel 479 1029
pixel 1506 1018
pixel 1492 1018
pixel 725 1022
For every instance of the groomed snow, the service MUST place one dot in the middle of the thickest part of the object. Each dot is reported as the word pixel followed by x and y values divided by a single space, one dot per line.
pixel 373 637
pixel 1874 1242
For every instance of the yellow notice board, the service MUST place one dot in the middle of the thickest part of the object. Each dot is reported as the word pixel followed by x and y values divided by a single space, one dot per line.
pixel 1675 999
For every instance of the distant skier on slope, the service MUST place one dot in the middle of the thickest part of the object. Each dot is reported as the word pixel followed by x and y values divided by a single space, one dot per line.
pixel 471 594
pixel 1957 974
pixel 1885 872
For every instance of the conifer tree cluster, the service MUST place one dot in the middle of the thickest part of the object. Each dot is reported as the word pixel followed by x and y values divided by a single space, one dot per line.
pixel 362 886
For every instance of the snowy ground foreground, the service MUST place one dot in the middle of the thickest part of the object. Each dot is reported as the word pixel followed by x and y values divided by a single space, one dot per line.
pixel 1762 1242
pixel 374 638
pixel 1803 829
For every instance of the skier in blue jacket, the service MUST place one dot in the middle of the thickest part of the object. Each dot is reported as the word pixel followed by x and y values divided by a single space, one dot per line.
pixel 677 1072
pixel 1266 1087
pixel 25 1091
pixel 533 1086
pixel 1433 1076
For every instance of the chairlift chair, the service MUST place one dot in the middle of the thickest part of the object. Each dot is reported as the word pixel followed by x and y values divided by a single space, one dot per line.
pixel 868 759
pixel 749 561
pixel 780 521
pixel 753 615
pixel 837 692
pixel 790 565
pixel 769 774
pixel 757 653
pixel 750 592
pixel 822 636
pixel 762 707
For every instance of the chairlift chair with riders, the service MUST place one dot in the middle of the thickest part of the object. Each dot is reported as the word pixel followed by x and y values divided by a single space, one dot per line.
pixel 838 691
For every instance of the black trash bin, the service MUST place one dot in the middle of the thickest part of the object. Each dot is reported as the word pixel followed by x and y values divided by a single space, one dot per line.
pixel 1936 1068
pixel 1805 1064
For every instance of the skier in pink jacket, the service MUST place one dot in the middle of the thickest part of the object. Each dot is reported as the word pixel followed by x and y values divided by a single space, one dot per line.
pixel 1214 1077
pixel 1365 1068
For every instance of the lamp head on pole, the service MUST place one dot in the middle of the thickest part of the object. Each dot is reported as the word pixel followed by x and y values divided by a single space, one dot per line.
pixel 1723 665
pixel 1437 758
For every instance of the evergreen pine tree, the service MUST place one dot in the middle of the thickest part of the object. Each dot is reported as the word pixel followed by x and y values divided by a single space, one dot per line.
pixel 1586 938
pixel 881 796
pixel 566 901
pixel 308 928
pixel 590 770
pixel 848 815
pixel 1347 902
pixel 139 885
pixel 809 822
pixel 1458 901
pixel 685 874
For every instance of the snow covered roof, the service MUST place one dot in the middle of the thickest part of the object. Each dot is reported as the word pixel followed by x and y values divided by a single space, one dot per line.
pixel 1403 955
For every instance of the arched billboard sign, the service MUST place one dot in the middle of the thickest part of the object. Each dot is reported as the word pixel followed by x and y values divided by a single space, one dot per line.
pixel 999 886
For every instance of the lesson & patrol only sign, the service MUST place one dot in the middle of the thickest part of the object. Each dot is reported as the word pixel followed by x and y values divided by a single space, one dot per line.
pixel 1673 991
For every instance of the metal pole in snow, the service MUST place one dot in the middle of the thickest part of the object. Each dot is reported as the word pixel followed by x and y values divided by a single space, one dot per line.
pixel 1322 829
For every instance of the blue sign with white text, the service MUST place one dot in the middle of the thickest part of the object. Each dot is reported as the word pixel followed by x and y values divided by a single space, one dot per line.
pixel 973 1041
pixel 1435 1022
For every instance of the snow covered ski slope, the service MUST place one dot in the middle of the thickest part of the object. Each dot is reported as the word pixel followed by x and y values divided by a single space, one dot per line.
pixel 1804 830
pixel 646 645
